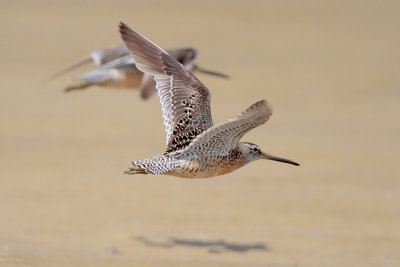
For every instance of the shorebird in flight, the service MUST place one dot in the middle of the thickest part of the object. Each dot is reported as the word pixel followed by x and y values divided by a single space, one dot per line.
pixel 117 69
pixel 195 147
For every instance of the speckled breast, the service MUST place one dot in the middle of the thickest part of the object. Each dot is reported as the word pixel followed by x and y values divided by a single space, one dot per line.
pixel 207 167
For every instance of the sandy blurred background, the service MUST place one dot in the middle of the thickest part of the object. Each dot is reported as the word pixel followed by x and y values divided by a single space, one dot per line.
pixel 329 68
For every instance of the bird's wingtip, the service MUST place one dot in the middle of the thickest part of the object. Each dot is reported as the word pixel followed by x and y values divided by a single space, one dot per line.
pixel 122 27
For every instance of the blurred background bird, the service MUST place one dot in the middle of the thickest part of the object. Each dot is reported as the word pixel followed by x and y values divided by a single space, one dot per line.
pixel 115 68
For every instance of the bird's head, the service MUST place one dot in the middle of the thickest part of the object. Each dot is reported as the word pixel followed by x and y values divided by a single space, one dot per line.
pixel 185 56
pixel 252 152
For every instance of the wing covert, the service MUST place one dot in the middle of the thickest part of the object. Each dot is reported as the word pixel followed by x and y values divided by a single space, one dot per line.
pixel 221 138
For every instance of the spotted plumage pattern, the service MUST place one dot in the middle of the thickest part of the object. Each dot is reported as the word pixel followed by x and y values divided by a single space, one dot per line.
pixel 224 137
pixel 195 147
pixel 155 165
pixel 184 99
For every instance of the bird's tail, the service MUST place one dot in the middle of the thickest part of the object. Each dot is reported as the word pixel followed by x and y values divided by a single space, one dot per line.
pixel 154 165
pixel 135 170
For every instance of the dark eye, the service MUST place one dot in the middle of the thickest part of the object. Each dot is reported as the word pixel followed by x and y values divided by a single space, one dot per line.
pixel 256 149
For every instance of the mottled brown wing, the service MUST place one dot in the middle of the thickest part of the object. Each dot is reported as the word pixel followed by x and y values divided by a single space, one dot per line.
pixel 185 100
pixel 222 138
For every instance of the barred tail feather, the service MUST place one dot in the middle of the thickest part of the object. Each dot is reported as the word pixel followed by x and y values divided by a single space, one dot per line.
pixel 135 170
pixel 154 165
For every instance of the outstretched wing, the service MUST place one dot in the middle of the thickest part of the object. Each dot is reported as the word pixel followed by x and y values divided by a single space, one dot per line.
pixel 99 57
pixel 185 100
pixel 221 138
pixel 118 63
pixel 104 55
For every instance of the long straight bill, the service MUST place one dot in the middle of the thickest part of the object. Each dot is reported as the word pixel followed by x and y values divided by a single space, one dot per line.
pixel 270 157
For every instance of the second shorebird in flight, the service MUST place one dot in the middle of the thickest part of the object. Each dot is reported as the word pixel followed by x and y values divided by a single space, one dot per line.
pixel 195 147
pixel 116 69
